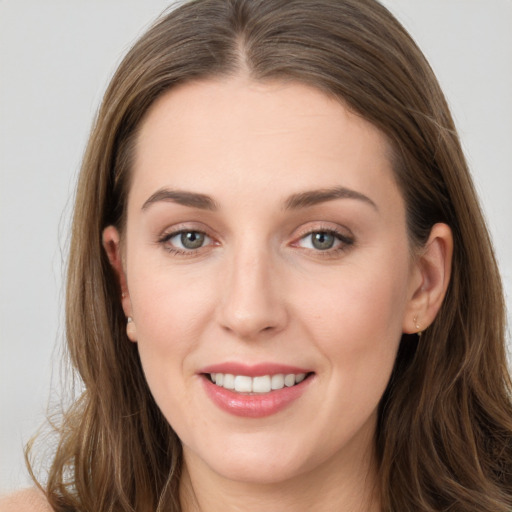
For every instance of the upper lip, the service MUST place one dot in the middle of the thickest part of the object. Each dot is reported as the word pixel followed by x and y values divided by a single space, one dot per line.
pixel 253 370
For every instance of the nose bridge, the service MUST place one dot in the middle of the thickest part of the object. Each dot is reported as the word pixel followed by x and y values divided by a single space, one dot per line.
pixel 252 301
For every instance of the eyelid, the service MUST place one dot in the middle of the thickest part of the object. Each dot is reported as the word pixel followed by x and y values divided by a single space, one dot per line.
pixel 180 227
pixel 327 227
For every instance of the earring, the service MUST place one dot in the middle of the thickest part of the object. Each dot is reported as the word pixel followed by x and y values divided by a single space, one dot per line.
pixel 418 326
pixel 131 331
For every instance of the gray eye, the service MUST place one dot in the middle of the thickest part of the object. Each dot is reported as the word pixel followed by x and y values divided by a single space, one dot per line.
pixel 186 241
pixel 192 239
pixel 322 240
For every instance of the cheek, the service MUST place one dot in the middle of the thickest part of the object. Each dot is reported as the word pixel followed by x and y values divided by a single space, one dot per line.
pixel 171 311
pixel 362 302
pixel 169 306
pixel 356 321
pixel 169 319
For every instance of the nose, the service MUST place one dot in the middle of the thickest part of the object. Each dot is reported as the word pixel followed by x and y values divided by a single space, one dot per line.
pixel 252 299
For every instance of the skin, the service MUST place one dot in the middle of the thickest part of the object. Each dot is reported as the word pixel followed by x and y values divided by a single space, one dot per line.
pixel 259 290
pixel 27 500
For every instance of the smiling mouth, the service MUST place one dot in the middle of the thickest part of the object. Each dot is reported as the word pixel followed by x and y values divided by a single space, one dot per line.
pixel 256 385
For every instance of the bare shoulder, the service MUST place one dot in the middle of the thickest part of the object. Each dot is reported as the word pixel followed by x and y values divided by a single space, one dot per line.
pixel 27 500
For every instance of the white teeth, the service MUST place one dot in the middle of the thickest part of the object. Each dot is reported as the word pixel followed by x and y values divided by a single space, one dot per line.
pixel 278 381
pixel 243 384
pixel 260 384
pixel 289 380
pixel 229 381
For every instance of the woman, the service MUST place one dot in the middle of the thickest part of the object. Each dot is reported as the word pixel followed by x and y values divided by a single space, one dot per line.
pixel 268 299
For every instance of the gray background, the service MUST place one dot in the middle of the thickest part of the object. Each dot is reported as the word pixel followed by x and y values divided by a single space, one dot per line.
pixel 55 60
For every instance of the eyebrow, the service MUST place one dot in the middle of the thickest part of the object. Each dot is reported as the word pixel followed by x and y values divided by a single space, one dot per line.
pixel 294 202
pixel 191 199
pixel 314 197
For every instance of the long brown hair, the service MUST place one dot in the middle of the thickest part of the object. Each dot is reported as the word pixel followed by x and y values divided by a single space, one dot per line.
pixel 444 439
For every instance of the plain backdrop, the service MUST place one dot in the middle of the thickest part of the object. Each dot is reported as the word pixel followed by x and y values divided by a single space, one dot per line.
pixel 55 60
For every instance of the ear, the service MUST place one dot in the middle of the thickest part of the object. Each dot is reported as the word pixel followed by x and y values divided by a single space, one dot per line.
pixel 429 280
pixel 112 246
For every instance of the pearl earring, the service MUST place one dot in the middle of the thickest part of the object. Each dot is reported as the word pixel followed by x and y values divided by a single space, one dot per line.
pixel 418 326
pixel 131 330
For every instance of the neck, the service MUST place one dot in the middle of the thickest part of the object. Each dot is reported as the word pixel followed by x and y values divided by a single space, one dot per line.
pixel 334 485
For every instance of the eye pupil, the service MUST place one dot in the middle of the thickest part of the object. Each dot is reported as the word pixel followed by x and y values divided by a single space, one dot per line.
pixel 192 239
pixel 322 240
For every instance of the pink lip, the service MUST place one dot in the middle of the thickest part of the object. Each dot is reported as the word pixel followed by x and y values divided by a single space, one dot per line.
pixel 254 370
pixel 253 405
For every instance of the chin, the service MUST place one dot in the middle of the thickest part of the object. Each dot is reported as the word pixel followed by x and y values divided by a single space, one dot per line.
pixel 259 473
pixel 255 461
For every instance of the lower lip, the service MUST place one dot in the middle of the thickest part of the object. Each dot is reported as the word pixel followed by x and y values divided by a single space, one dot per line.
pixel 257 405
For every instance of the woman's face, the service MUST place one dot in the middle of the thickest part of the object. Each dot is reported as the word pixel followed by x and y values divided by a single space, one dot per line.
pixel 265 246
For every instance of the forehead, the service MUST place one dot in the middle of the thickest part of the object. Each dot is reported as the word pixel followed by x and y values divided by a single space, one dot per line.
pixel 274 136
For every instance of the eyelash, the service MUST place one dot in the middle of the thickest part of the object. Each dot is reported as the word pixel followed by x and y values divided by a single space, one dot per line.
pixel 165 239
pixel 345 242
